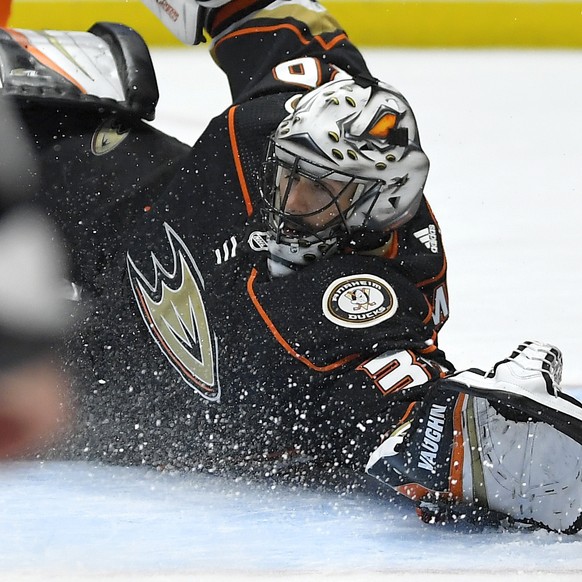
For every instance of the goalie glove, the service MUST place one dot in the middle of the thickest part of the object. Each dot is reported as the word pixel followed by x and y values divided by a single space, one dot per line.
pixel 108 68
pixel 492 448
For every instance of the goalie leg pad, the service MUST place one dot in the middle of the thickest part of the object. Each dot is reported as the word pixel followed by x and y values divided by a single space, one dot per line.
pixel 529 471
pixel 490 456
pixel 527 382
pixel 417 457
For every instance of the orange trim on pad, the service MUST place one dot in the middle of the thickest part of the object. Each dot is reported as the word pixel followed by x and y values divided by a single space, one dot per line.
pixel 458 451
pixel 23 41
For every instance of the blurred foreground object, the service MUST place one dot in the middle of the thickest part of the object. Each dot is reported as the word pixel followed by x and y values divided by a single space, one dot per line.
pixel 34 409
pixel 34 310
pixel 4 11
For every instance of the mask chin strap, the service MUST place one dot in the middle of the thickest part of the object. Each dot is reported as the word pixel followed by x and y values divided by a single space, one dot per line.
pixel 293 255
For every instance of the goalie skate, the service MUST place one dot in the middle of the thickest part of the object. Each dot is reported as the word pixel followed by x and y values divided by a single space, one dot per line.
pixel 527 381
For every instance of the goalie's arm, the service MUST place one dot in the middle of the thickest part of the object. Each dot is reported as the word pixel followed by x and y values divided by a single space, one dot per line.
pixel 265 46
pixel 272 47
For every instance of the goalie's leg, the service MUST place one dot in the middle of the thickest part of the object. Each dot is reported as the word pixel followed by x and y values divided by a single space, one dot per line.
pixel 460 455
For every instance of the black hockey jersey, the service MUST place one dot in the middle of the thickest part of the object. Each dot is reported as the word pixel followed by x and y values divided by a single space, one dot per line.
pixel 189 353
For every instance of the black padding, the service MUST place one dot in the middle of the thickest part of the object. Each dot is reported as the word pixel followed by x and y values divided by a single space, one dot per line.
pixel 134 65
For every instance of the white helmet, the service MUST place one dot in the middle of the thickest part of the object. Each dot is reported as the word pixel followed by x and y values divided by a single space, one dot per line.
pixel 355 131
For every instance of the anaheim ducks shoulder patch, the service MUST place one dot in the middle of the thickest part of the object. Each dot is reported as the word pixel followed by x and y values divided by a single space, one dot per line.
pixel 359 301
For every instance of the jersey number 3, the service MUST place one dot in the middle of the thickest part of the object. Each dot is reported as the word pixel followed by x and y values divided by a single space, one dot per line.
pixel 393 371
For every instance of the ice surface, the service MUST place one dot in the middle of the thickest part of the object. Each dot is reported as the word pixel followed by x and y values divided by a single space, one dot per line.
pixel 85 520
pixel 503 131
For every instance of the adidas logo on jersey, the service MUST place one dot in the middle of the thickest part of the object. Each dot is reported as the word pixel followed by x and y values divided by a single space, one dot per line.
pixel 228 251
pixel 428 237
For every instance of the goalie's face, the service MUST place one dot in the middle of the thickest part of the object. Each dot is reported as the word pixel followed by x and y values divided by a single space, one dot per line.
pixel 309 205
pixel 307 208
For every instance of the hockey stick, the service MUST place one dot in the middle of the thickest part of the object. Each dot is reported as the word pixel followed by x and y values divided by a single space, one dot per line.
pixel 183 18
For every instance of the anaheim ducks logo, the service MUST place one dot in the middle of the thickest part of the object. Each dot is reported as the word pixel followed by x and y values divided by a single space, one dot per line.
pixel 359 301
pixel 108 136
pixel 173 310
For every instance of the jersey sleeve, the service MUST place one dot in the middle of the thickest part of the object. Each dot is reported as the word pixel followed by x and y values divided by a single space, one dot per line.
pixel 348 308
pixel 271 47
pixel 418 248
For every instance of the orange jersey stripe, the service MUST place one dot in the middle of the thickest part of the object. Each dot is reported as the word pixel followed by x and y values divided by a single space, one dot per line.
pixel 438 276
pixel 432 347
pixel 230 9
pixel 392 249
pixel 305 41
pixel 407 413
pixel 237 162
pixel 282 340
pixel 444 267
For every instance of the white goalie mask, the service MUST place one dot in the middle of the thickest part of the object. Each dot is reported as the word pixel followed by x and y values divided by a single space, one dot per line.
pixel 343 170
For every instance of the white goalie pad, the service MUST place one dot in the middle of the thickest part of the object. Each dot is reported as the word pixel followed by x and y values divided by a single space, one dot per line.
pixel 527 470
pixel 527 381
pixel 109 66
